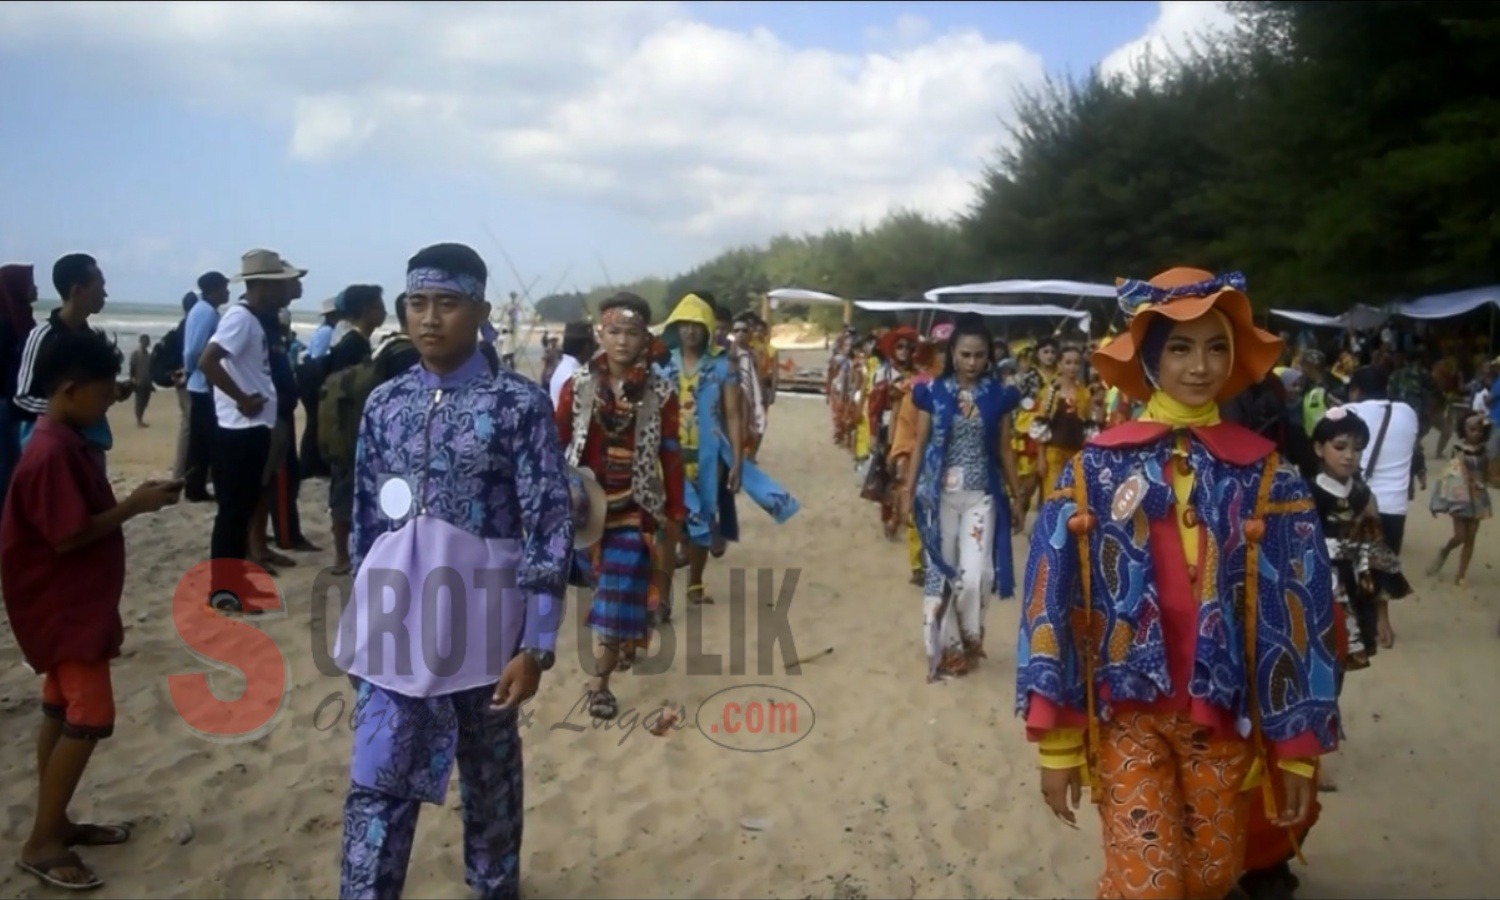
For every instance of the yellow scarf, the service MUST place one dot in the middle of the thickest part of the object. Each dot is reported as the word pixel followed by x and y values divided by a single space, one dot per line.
pixel 1165 410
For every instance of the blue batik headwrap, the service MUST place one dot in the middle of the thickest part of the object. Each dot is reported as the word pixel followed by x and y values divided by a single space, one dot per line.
pixel 433 279
pixel 1134 295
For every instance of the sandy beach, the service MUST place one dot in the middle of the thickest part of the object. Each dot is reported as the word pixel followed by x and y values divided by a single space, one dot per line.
pixel 886 787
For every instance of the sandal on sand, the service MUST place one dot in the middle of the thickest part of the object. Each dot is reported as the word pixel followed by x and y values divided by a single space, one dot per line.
pixel 700 593
pixel 279 559
pixel 86 834
pixel 602 705
pixel 339 570
pixel 46 869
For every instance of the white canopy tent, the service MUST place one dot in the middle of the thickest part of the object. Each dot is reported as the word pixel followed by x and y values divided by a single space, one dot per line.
pixel 1446 306
pixel 990 310
pixel 1361 318
pixel 774 299
pixel 1023 286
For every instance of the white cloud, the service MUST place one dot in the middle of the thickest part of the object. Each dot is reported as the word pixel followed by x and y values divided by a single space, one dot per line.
pixel 1178 24
pixel 714 133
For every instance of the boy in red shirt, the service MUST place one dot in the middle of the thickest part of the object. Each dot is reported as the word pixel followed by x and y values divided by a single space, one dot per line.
pixel 62 568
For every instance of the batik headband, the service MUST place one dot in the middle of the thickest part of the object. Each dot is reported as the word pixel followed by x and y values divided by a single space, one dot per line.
pixel 433 279
pixel 620 315
pixel 1135 295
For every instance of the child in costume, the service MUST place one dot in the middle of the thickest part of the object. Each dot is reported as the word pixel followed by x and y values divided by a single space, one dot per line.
pixel 711 435
pixel 619 419
pixel 965 498
pixel 1177 646
pixel 1365 569
pixel 891 385
pixel 837 387
pixel 460 492
pixel 1461 492
pixel 928 359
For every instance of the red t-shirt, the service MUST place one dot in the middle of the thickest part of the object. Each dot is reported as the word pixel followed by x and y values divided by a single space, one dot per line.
pixel 61 608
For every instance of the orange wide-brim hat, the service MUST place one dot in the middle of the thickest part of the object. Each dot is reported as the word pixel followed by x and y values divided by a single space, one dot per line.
pixel 890 339
pixel 1255 351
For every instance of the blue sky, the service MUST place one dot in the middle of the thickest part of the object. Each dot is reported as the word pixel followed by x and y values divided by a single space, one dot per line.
pixel 633 139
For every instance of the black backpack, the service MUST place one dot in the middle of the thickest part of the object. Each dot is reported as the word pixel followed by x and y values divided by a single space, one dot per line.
pixel 166 356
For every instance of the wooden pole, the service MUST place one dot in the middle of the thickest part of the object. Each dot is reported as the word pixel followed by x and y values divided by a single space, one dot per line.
pixel 848 311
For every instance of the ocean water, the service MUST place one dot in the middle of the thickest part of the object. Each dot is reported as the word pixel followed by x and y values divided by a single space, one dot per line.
pixel 126 322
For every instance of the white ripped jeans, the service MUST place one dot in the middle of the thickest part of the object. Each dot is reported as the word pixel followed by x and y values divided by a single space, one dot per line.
pixel 966 524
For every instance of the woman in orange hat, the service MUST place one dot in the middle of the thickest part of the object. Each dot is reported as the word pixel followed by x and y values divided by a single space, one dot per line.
pixel 1178 643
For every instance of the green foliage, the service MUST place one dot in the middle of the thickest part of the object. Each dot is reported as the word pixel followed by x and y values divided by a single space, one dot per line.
pixel 1335 152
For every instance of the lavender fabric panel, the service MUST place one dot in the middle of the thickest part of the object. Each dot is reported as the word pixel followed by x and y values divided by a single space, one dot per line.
pixel 434 611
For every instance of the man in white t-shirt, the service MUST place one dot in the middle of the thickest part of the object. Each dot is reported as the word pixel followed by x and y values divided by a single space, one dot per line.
pixel 237 362
pixel 577 349
pixel 1391 460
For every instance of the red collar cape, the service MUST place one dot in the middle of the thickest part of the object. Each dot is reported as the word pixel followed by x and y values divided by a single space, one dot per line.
pixel 1228 442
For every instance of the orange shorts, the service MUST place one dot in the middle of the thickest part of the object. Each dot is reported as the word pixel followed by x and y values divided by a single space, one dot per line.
pixel 82 696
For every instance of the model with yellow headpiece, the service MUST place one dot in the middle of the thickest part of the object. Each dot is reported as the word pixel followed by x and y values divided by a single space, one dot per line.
pixel 1177 642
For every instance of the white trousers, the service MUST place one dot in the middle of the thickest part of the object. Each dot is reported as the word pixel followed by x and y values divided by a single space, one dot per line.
pixel 966 522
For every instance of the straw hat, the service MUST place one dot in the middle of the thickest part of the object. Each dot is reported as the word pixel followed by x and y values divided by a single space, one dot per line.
pixel 588 504
pixel 266 265
pixel 1196 292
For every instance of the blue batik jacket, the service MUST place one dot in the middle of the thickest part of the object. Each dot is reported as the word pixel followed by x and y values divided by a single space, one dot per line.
pixel 1241 493
pixel 939 399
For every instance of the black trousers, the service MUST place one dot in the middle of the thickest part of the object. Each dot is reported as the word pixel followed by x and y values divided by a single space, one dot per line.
pixel 311 460
pixel 286 524
pixel 203 424
pixel 239 460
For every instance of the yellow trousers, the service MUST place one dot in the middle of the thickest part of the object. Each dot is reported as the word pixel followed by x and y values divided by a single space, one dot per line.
pixel 913 546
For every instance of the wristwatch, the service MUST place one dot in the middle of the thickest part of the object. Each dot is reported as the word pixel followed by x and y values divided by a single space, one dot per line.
pixel 544 658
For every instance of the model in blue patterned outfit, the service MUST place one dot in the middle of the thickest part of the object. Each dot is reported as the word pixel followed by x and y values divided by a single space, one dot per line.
pixel 965 498
pixel 459 483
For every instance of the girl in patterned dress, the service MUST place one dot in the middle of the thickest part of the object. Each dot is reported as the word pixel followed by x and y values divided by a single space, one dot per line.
pixel 965 498
pixel 619 419
pixel 1177 643
pixel 1461 492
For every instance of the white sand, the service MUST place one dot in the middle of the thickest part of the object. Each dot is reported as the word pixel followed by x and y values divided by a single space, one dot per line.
pixel 899 790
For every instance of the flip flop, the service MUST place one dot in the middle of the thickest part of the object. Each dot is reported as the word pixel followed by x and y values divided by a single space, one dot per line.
pixel 603 705
pixel 46 867
pixel 86 834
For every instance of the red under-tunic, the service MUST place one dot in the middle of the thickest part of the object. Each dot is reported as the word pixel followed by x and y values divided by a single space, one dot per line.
pixel 1177 590
pixel 594 446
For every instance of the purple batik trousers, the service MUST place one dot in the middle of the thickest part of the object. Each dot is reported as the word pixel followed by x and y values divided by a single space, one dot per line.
pixel 380 812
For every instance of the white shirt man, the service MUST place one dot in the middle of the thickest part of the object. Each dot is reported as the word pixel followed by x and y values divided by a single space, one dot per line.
pixel 1391 479
pixel 247 360
pixel 560 375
